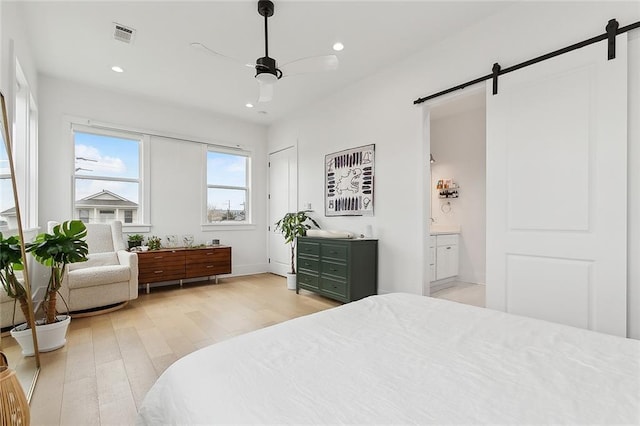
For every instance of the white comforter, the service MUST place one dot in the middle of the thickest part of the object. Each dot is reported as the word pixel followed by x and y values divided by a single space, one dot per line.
pixel 400 358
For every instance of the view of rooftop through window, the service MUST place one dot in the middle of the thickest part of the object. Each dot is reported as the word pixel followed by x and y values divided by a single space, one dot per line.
pixel 107 178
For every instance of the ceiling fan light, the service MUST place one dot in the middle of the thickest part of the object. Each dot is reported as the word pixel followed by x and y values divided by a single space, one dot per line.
pixel 338 46
pixel 266 77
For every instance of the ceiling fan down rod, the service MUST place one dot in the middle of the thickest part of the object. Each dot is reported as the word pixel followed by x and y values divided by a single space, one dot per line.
pixel 266 8
pixel 266 38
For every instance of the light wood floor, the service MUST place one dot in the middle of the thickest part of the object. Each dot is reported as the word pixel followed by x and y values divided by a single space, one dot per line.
pixel 110 361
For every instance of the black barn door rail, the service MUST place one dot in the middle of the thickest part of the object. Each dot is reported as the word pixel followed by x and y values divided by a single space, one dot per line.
pixel 612 28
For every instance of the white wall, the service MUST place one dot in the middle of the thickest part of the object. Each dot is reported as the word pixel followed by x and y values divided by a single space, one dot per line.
pixel 176 166
pixel 458 145
pixel 14 44
pixel 633 216
pixel 379 110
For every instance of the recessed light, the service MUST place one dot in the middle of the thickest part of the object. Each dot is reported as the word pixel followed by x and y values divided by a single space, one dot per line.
pixel 249 105
pixel 117 69
pixel 338 46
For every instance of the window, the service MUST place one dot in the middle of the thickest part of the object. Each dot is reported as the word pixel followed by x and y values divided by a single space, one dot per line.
pixel 83 215
pixel 7 205
pixel 227 187
pixel 107 178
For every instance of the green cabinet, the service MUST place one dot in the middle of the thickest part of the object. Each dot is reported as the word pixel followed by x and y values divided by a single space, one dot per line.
pixel 341 269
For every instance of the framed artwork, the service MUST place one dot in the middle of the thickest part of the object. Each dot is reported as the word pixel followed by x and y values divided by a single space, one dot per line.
pixel 349 182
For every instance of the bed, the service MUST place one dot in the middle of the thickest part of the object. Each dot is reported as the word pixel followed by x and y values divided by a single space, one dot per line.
pixel 400 358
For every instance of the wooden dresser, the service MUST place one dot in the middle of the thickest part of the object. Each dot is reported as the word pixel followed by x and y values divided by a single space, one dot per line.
pixel 341 269
pixel 181 263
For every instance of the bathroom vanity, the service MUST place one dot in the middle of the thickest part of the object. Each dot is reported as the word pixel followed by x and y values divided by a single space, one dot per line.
pixel 443 255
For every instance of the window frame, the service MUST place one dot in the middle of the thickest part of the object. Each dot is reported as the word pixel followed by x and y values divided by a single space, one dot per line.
pixel 144 196
pixel 230 224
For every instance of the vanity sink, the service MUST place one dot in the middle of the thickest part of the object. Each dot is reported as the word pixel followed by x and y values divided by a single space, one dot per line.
pixel 437 229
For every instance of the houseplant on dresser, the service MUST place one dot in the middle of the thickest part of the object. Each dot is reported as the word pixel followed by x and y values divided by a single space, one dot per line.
pixel 294 225
pixel 64 245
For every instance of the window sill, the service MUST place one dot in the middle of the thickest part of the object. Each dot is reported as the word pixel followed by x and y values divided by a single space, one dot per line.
pixel 227 227
pixel 135 227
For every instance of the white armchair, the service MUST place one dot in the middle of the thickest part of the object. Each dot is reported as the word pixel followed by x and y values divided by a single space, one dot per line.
pixel 108 277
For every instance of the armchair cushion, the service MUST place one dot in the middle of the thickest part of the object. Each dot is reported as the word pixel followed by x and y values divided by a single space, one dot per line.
pixel 98 275
pixel 96 259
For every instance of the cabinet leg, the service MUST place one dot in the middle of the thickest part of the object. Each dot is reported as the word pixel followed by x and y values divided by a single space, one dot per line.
pixel 147 288
pixel 216 279
pixel 180 283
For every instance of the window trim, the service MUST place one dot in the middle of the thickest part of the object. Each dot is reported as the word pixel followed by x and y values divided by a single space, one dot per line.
pixel 246 224
pixel 144 193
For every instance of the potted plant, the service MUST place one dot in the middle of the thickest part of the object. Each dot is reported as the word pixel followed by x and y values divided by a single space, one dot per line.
pixel 292 226
pixel 135 240
pixel 10 262
pixel 154 243
pixel 63 246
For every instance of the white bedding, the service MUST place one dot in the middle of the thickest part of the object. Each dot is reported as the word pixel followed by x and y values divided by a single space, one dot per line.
pixel 400 358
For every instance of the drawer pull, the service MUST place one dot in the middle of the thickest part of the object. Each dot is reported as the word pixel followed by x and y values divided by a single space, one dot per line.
pixel 333 252
pixel 158 272
pixel 448 248
pixel 333 269
pixel 158 257
pixel 209 266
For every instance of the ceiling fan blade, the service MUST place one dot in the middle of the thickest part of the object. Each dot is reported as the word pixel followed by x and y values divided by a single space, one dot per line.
pixel 204 49
pixel 266 92
pixel 310 64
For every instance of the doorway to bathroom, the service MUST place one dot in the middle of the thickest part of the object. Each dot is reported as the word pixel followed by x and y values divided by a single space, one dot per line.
pixel 457 191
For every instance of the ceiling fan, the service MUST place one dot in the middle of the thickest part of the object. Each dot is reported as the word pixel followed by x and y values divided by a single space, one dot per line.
pixel 267 70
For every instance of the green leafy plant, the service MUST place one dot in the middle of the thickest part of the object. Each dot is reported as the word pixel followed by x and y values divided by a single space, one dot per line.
pixel 63 246
pixel 135 240
pixel 294 225
pixel 11 261
pixel 154 243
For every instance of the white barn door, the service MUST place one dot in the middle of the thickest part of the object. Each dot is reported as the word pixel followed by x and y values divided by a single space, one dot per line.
pixel 557 190
pixel 283 198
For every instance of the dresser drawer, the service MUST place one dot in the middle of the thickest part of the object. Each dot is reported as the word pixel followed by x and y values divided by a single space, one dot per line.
pixel 334 287
pixel 206 269
pixel 308 248
pixel 209 256
pixel 334 251
pixel 307 281
pixel 308 264
pixel 161 260
pixel 334 268
pixel 160 274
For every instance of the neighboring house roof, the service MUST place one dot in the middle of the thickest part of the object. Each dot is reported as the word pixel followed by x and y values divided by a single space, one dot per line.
pixel 105 198
pixel 9 212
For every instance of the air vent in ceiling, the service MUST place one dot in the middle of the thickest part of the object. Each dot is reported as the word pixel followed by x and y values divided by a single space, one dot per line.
pixel 123 34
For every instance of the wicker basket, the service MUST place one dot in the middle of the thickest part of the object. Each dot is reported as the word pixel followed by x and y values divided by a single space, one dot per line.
pixel 14 408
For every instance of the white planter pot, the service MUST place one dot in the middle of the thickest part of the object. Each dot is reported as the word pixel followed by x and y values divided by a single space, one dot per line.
pixel 291 281
pixel 50 336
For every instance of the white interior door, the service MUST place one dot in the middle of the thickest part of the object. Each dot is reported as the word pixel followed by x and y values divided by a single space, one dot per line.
pixel 283 198
pixel 557 191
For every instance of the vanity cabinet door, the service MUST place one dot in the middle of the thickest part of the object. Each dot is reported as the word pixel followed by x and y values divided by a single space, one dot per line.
pixel 447 264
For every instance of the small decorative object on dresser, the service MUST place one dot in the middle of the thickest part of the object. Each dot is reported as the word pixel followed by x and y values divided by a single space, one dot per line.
pixel 341 269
